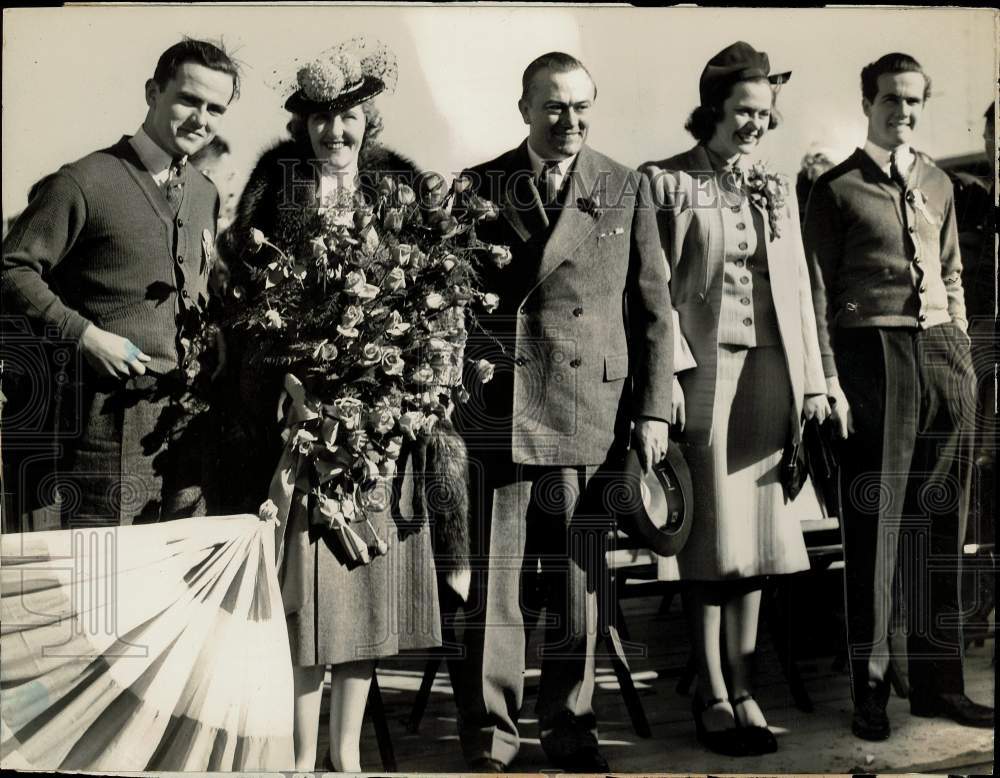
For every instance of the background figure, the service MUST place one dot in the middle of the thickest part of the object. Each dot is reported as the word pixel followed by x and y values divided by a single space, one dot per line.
pixel 883 245
pixel 814 164
pixel 338 614
pixel 584 244
pixel 112 256
pixel 741 288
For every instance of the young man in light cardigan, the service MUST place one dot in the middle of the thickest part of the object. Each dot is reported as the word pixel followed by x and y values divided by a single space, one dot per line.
pixel 113 252
pixel 881 239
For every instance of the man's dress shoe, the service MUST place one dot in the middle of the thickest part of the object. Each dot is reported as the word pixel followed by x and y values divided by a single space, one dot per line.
pixel 957 707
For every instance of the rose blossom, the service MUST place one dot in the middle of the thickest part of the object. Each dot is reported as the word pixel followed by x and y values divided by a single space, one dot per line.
pixel 490 302
pixel 501 256
pixel 393 219
pixel 395 280
pixel 382 420
pixel 485 370
pixel 371 354
pixel 423 374
pixel 350 318
pixel 434 301
pixel 257 237
pixel 406 195
pixel 396 327
pixel 348 410
pixel 401 254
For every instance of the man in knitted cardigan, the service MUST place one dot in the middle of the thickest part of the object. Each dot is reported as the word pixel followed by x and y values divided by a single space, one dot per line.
pixel 113 252
pixel 881 238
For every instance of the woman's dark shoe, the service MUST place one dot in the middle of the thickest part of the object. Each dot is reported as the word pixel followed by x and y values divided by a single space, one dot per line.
pixel 759 740
pixel 728 742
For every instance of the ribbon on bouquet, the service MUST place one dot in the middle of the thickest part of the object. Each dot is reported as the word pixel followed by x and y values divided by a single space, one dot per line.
pixel 289 492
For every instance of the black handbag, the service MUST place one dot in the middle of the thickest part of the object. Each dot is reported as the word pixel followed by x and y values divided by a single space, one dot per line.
pixel 813 456
pixel 794 467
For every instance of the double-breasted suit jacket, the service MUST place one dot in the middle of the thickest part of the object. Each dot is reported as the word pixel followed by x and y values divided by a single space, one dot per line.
pixel 583 332
pixel 690 204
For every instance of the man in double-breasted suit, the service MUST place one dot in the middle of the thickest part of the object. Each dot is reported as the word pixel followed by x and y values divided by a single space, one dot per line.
pixel 582 348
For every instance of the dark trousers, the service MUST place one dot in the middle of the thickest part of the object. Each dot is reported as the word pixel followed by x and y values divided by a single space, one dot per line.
pixel 139 453
pixel 523 515
pixel 903 489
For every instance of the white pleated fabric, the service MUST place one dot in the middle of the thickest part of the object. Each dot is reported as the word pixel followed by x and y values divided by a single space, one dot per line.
pixel 148 647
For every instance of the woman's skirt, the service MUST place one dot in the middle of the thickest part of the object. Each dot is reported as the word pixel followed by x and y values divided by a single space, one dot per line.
pixel 346 612
pixel 742 524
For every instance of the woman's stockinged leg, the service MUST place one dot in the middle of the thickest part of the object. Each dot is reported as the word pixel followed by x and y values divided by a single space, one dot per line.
pixel 349 685
pixel 741 614
pixel 308 696
pixel 707 627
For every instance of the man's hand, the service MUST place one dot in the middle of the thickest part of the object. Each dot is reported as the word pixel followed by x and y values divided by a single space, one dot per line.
pixel 111 355
pixel 651 440
pixel 840 410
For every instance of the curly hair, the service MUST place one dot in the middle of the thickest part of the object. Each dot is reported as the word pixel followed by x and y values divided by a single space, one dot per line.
pixel 298 125
pixel 706 117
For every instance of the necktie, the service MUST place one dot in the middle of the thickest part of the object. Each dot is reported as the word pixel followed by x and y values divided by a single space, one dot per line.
pixel 895 173
pixel 547 189
pixel 173 187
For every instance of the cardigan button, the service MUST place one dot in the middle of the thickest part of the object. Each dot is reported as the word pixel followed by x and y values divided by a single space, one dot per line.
pixel 575 363
pixel 520 361
pixel 736 209
pixel 180 221
pixel 744 245
pixel 739 263
pixel 578 311
pixel 741 226
pixel 745 279
pixel 747 321
pixel 180 259
pixel 745 301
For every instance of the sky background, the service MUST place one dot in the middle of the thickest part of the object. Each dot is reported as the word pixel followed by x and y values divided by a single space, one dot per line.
pixel 73 77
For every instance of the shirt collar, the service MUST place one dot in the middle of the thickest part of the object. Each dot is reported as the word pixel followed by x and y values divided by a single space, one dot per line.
pixel 153 158
pixel 562 166
pixel 904 156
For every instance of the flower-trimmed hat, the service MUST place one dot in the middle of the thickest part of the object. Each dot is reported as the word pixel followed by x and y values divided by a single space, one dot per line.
pixel 737 62
pixel 342 77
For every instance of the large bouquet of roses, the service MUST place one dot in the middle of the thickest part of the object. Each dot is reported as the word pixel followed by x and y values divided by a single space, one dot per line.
pixel 370 312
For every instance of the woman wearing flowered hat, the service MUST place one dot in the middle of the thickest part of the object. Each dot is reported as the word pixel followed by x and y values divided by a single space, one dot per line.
pixel 340 612
pixel 741 289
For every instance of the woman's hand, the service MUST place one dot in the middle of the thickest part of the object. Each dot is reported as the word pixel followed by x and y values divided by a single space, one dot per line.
pixel 677 413
pixel 840 413
pixel 816 406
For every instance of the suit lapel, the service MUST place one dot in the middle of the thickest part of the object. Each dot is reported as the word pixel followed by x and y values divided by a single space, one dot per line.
pixel 574 225
pixel 521 207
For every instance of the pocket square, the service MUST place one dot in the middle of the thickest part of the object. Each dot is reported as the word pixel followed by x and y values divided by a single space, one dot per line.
pixel 612 233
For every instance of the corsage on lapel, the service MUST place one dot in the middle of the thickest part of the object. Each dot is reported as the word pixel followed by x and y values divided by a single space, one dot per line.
pixel 768 190
pixel 207 250
pixel 589 207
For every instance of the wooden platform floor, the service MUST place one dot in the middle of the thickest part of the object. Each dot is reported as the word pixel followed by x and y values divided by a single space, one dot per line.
pixel 816 742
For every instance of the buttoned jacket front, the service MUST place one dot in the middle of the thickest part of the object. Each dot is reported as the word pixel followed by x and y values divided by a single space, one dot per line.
pixel 686 192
